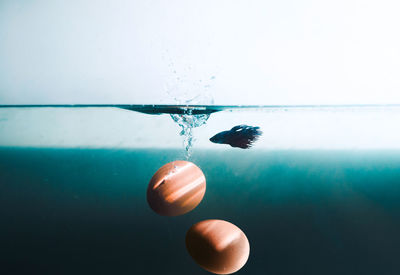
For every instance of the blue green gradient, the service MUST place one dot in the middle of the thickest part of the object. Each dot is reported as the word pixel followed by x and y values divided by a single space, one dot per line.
pixel 67 211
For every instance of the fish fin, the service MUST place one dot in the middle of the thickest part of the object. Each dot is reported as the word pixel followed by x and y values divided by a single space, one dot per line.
pixel 239 127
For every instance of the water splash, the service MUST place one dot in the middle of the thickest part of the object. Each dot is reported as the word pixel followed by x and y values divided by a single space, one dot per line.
pixel 187 85
pixel 187 122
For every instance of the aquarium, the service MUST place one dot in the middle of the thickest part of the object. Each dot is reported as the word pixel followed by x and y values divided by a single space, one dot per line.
pixel 317 193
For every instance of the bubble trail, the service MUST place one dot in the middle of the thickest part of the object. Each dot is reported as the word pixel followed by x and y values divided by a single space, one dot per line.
pixel 187 122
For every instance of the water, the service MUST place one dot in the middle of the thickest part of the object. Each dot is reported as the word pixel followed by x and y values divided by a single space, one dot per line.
pixel 187 122
pixel 325 200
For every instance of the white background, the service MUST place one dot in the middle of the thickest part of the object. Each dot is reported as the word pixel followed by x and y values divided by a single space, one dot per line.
pixel 240 52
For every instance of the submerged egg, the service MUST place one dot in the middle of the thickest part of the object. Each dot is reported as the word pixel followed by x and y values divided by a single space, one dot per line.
pixel 218 246
pixel 176 188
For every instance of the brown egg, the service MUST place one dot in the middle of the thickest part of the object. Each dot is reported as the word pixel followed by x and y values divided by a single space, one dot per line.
pixel 176 188
pixel 218 246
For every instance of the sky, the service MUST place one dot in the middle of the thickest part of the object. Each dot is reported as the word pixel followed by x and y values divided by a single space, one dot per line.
pixel 217 52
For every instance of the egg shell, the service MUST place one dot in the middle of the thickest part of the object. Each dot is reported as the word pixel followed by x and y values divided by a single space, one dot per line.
pixel 218 246
pixel 176 188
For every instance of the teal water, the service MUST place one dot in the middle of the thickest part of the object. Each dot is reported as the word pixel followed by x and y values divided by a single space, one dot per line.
pixel 82 211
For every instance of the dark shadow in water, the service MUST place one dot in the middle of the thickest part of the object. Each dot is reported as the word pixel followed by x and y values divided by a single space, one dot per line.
pixel 85 212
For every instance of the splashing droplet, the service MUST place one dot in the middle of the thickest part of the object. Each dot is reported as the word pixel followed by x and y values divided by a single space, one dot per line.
pixel 188 86
pixel 187 122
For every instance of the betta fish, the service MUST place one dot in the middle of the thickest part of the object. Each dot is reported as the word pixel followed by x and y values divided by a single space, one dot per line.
pixel 242 136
